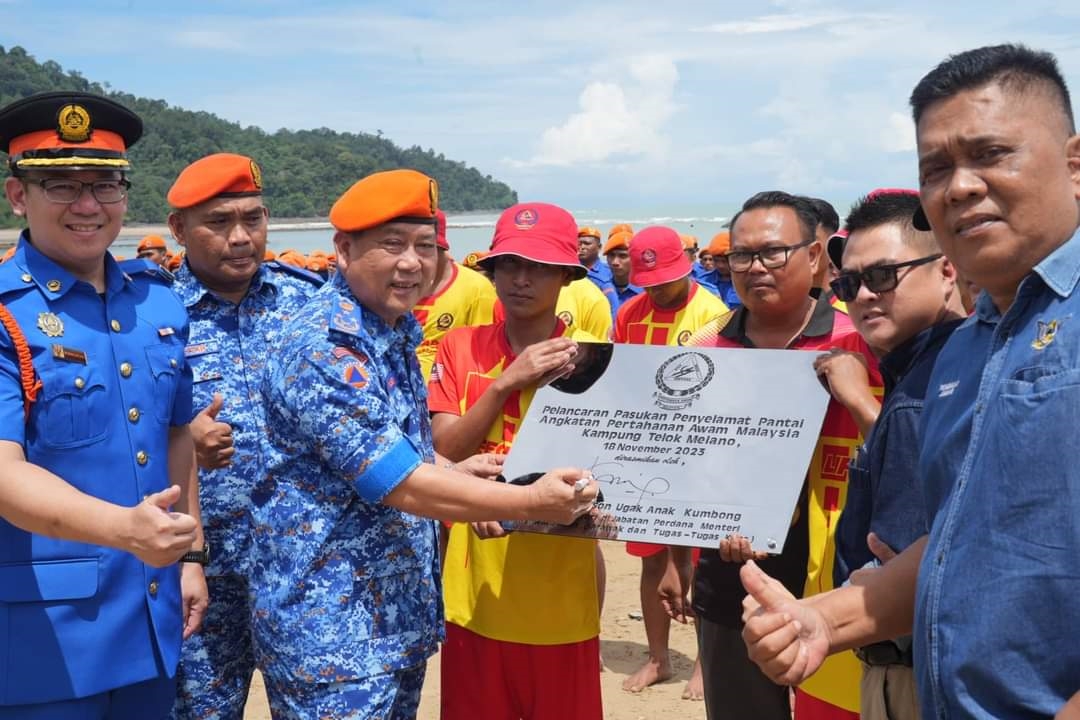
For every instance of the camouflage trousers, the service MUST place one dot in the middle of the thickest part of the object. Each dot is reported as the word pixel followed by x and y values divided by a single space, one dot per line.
pixel 217 662
pixel 390 696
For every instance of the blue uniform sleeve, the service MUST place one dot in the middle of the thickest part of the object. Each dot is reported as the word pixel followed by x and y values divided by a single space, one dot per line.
pixel 12 420
pixel 340 411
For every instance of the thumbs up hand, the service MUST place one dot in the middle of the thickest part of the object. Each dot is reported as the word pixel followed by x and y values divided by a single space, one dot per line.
pixel 213 438
pixel 155 534
pixel 787 638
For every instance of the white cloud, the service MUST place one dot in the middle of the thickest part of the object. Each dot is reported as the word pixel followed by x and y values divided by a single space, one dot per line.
pixel 898 134
pixel 771 24
pixel 616 120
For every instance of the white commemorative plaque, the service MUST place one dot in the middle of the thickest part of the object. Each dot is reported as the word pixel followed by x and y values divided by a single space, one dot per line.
pixel 687 444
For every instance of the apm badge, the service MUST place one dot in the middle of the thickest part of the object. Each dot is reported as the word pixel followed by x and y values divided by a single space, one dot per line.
pixel 680 379
pixel 50 324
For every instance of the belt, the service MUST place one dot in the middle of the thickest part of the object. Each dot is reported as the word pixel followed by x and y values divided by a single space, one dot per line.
pixel 885 653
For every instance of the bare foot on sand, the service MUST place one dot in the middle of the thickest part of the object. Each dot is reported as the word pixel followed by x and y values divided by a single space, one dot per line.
pixel 695 686
pixel 648 674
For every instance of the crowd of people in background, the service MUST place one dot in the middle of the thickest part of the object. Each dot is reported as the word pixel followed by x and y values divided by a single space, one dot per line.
pixel 217 460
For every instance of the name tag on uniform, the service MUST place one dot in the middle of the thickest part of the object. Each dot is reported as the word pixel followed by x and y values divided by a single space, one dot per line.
pixel 68 354
pixel 197 349
pixel 165 331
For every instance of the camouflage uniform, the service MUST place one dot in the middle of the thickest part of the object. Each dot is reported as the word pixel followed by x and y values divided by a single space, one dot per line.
pixel 227 351
pixel 347 603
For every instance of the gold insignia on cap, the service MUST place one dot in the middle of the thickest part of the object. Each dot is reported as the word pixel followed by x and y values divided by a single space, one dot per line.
pixel 433 195
pixel 53 285
pixel 256 175
pixel 73 124
pixel 50 324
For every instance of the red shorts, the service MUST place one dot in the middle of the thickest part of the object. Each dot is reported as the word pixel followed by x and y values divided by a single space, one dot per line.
pixel 485 679
pixel 808 707
pixel 644 550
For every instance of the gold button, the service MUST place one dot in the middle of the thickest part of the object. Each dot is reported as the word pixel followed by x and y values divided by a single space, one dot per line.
pixel 141 457
pixel 153 588
pixel 125 369
pixel 115 325
pixel 53 285
pixel 80 383
pixel 133 414
pixel 172 362
pixel 26 277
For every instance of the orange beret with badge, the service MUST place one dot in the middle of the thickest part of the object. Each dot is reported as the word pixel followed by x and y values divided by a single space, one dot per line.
pixel 405 196
pixel 152 242
pixel 214 176
pixel 67 131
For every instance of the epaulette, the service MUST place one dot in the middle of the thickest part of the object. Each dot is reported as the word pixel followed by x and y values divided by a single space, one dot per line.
pixel 275 266
pixel 143 268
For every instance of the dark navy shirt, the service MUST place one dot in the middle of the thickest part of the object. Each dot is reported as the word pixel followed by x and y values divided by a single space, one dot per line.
pixel 998 605
pixel 884 492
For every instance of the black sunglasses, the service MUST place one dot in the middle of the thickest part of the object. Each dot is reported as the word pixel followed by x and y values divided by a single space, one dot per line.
pixel 878 279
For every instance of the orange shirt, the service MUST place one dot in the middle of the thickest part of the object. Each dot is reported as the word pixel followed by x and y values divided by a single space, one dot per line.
pixel 640 322
pixel 466 300
pixel 524 587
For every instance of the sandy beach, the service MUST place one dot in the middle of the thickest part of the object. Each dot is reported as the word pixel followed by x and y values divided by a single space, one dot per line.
pixel 622 642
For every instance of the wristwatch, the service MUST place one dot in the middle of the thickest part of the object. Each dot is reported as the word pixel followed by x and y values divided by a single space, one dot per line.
pixel 198 556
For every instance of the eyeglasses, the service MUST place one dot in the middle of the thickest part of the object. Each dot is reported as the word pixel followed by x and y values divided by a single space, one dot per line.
pixel 772 258
pixel 878 279
pixel 62 190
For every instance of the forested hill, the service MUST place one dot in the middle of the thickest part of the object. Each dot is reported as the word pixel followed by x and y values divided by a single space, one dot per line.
pixel 303 171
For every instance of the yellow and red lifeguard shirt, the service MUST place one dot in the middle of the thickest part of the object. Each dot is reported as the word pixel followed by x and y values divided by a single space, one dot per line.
pixel 524 587
pixel 837 681
pixel 466 300
pixel 582 306
pixel 640 322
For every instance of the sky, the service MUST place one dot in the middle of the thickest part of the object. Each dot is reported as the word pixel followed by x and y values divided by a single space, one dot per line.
pixel 586 104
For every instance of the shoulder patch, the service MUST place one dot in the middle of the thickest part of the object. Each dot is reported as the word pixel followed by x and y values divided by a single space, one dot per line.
pixel 141 268
pixel 285 268
pixel 345 317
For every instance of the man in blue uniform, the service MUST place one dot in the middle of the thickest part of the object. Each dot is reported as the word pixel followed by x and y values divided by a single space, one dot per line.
pixel 237 304
pixel 990 594
pixel 98 496
pixel 346 582
pixel 599 272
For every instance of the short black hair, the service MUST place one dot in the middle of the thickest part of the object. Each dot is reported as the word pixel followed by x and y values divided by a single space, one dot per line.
pixel 826 213
pixel 887 207
pixel 804 210
pixel 1014 67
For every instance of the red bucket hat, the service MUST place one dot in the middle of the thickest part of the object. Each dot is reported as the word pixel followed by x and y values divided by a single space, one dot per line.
pixel 440 230
pixel 657 257
pixel 538 232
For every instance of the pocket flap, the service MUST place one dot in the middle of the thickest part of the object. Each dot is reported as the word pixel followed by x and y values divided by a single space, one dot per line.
pixel 49 580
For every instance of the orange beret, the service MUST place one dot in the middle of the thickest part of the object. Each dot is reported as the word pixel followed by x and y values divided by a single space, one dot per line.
pixel 8 254
pixel 176 261
pixel 388 196
pixel 720 243
pixel 152 242
pixel 621 227
pixel 217 175
pixel 472 260
pixel 269 255
pixel 689 242
pixel 620 239
pixel 317 263
pixel 586 231
pixel 291 257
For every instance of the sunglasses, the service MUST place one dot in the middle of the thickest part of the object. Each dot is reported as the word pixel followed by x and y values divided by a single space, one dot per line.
pixel 878 279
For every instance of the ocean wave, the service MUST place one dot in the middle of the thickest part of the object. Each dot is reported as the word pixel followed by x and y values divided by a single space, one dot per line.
pixel 582 220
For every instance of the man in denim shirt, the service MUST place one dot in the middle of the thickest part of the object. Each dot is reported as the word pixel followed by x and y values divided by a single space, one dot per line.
pixel 902 297
pixel 995 611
